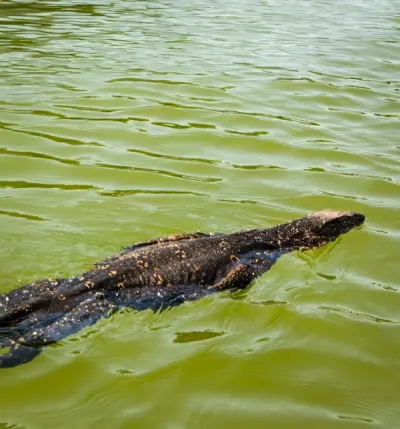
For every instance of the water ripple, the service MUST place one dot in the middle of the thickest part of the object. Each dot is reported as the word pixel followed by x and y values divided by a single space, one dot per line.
pixel 23 184
pixel 54 138
pixel 161 172
pixel 6 151
pixel 125 192
pixel 174 157
pixel 22 215
pixel 188 337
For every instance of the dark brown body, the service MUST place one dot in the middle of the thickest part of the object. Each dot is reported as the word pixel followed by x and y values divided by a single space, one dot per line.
pixel 153 275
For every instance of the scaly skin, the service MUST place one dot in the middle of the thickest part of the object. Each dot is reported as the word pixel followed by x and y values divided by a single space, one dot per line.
pixel 154 275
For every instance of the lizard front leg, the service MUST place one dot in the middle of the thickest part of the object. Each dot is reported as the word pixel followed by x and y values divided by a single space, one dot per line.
pixel 242 274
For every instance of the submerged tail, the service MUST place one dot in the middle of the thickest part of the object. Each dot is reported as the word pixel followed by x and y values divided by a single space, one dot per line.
pixel 14 354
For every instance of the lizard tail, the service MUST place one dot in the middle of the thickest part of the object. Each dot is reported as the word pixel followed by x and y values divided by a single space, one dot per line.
pixel 14 354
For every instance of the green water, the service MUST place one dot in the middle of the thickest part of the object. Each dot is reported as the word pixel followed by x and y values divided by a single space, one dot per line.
pixel 127 120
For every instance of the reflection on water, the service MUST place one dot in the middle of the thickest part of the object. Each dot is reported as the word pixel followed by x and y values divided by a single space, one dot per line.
pixel 123 121
pixel 188 337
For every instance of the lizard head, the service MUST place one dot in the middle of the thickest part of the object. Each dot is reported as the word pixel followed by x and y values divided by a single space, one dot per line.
pixel 311 231
pixel 327 225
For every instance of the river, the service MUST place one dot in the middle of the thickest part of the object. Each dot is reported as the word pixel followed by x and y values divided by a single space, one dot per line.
pixel 125 120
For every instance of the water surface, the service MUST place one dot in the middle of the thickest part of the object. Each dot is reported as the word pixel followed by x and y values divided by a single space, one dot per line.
pixel 122 121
